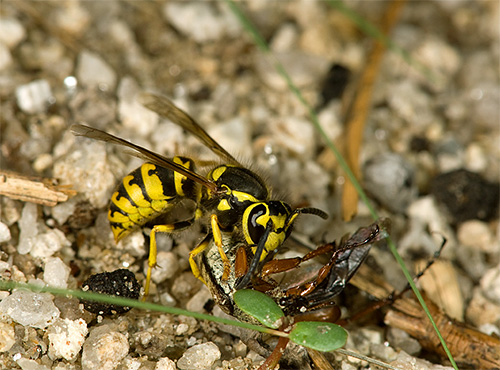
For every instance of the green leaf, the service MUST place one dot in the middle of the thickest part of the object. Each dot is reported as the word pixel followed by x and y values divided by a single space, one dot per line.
pixel 259 306
pixel 321 336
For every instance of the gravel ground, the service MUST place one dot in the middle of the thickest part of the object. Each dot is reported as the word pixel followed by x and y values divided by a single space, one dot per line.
pixel 430 162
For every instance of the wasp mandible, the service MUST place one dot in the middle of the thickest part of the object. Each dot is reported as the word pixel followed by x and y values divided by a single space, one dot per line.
pixel 236 200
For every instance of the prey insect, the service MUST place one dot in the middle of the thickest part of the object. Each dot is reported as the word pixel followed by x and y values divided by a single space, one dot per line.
pixel 308 296
pixel 235 202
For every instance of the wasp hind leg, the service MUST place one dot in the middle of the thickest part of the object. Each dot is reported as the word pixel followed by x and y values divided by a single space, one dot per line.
pixel 153 250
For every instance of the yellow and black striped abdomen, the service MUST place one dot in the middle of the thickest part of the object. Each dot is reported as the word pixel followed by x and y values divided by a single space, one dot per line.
pixel 146 193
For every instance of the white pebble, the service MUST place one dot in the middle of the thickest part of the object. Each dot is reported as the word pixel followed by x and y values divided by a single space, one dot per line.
pixel 104 349
pixel 28 228
pixel 201 21
pixel 48 243
pixel 296 135
pixel 66 338
pixel 27 364
pixel 199 357
pixel 29 308
pixel 63 210
pixel 94 72
pixel 490 284
pixel 34 97
pixel 165 363
pixel 132 114
pixel 475 158
pixel 476 234
pixel 226 132
pixel 86 168
pixel 5 57
pixel 199 300
pixel 167 265
pixel 7 336
pixel 11 32
pixel 56 273
pixel 4 233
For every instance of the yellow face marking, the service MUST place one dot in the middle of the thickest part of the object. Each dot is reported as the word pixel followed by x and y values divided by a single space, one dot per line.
pixel 242 196
pixel 152 183
pixel 215 174
pixel 223 205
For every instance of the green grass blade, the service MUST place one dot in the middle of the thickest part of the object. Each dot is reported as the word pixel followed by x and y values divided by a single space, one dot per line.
pixel 90 296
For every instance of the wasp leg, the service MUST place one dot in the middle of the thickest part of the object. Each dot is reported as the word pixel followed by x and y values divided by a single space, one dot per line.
pixel 194 267
pixel 152 246
pixel 218 242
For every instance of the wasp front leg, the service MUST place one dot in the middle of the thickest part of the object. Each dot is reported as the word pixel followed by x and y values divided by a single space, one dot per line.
pixel 218 242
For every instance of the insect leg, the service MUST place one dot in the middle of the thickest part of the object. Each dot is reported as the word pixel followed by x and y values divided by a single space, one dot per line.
pixel 152 246
pixel 218 242
pixel 194 267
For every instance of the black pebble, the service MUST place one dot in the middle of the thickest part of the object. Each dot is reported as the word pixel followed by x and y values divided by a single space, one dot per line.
pixel 466 195
pixel 334 84
pixel 121 283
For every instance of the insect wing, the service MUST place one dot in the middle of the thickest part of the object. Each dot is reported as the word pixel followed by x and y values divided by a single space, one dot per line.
pixel 143 153
pixel 167 109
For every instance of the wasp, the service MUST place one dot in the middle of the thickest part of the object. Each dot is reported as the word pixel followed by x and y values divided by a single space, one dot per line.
pixel 234 201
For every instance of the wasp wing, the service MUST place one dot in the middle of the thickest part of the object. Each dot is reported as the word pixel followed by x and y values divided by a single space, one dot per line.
pixel 143 153
pixel 164 107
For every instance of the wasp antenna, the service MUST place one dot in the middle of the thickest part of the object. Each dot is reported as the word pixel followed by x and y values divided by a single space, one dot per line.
pixel 313 211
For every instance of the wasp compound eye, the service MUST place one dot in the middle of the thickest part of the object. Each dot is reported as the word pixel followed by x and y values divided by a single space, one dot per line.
pixel 256 223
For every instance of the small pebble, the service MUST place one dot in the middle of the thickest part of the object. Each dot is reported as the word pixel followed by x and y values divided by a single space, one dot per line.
pixel 27 364
pixel 391 180
pixel 48 243
pixel 132 114
pixel 62 211
pixel 7 336
pixel 92 71
pixel 4 233
pixel 11 32
pixel 29 308
pixel 225 133
pixel 167 266
pixel 296 135
pixel 199 357
pixel 165 363
pixel 477 234
pixel 56 273
pixel 406 362
pixel 466 195
pixel 28 227
pixel 104 349
pixel 5 57
pixel 202 21
pixel 490 284
pixel 66 338
pixel 86 168
pixel 34 97
pixel 199 300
